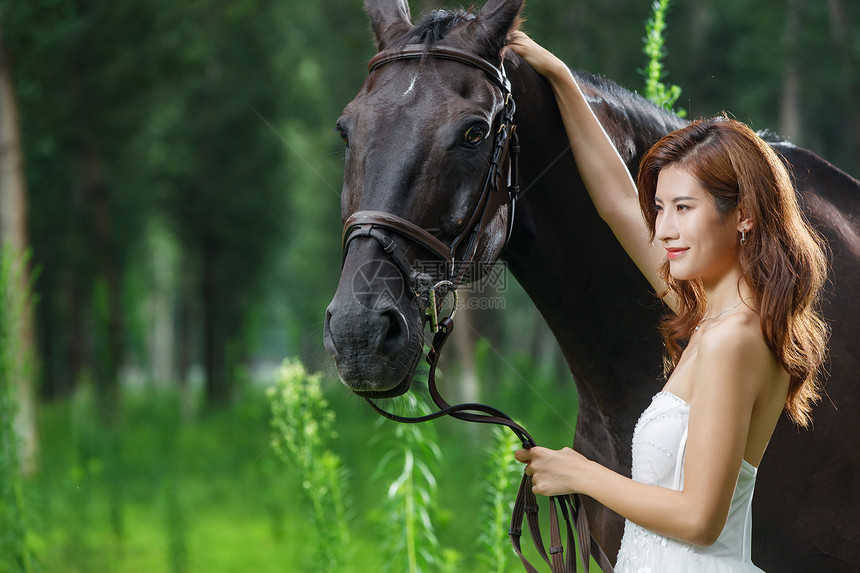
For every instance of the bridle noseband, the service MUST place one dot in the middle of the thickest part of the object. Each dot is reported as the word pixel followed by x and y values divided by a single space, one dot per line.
pixel 380 225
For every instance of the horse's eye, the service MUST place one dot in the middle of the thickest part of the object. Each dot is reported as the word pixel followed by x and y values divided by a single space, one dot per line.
pixel 343 135
pixel 474 135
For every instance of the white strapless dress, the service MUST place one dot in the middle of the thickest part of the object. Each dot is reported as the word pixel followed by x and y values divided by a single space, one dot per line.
pixel 659 442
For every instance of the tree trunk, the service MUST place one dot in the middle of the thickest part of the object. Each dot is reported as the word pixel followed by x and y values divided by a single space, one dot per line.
pixel 74 333
pixel 186 314
pixel 790 119
pixel 107 298
pixel 214 342
pixel 790 116
pixel 463 341
pixel 13 236
pixel 849 61
pixel 161 303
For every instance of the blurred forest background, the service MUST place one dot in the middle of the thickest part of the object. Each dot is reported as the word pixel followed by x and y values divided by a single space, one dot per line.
pixel 172 171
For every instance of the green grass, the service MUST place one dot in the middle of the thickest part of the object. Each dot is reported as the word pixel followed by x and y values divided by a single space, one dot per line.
pixel 209 495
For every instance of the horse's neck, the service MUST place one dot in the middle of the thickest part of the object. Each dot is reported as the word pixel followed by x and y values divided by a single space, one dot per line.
pixel 596 302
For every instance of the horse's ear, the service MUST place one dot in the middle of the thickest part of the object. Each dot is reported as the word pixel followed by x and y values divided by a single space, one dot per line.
pixel 494 22
pixel 389 18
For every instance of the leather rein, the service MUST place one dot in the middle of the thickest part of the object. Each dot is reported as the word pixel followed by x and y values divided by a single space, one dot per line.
pixel 431 293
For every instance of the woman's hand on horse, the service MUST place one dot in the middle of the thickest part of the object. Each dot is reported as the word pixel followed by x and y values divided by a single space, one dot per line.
pixel 542 60
pixel 553 472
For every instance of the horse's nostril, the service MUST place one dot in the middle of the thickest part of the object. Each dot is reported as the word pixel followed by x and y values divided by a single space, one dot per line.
pixel 396 334
pixel 328 339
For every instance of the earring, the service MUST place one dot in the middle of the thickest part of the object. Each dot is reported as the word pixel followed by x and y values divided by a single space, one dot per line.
pixel 743 237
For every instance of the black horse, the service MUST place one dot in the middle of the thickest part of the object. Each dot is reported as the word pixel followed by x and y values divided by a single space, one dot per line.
pixel 418 146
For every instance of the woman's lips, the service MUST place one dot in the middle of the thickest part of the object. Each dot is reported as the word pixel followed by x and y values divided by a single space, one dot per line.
pixel 674 253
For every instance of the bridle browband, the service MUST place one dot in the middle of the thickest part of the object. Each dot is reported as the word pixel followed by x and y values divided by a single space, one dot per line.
pixel 378 225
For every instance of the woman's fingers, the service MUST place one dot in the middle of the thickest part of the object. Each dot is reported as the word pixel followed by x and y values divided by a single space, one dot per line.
pixel 523 455
pixel 536 55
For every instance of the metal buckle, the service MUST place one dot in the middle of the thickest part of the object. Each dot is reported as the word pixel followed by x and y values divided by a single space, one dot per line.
pixel 433 311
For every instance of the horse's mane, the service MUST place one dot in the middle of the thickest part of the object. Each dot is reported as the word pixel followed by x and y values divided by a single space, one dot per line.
pixel 433 27
pixel 639 107
pixel 436 24
pixel 612 90
pixel 648 121
pixel 771 136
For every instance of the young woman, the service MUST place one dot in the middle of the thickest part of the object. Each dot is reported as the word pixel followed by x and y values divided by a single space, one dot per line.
pixel 716 229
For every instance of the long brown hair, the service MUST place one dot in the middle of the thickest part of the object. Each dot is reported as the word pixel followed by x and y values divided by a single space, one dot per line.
pixel 782 258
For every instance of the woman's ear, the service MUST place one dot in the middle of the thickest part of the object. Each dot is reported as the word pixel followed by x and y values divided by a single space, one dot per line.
pixel 744 223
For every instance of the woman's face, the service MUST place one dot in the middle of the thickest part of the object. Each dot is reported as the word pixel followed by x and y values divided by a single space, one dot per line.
pixel 698 242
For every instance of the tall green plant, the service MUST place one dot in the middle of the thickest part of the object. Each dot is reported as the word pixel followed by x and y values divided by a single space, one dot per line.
pixel 664 95
pixel 503 473
pixel 411 463
pixel 14 545
pixel 302 423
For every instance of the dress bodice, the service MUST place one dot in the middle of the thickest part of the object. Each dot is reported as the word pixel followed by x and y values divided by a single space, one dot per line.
pixel 659 440
pixel 659 445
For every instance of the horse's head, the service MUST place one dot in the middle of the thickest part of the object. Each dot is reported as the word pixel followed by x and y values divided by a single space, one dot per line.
pixel 420 139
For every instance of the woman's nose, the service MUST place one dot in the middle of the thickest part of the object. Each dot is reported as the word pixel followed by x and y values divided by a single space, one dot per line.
pixel 665 228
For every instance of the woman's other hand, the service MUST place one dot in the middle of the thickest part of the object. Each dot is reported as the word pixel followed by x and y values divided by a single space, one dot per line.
pixel 542 60
pixel 553 472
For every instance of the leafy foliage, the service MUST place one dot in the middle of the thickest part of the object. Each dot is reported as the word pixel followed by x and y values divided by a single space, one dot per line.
pixel 410 462
pixel 502 473
pixel 655 90
pixel 14 528
pixel 303 423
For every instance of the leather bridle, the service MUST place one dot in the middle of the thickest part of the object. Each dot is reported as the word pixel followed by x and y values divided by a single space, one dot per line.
pixel 501 181
pixel 384 227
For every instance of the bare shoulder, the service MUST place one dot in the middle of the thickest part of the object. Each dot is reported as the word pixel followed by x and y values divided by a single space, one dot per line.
pixel 736 347
pixel 736 329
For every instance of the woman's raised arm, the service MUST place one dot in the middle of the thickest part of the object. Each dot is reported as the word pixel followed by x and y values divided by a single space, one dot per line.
pixel 604 173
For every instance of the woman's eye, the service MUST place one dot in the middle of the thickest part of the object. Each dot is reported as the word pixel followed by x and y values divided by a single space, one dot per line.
pixel 474 135
pixel 683 207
